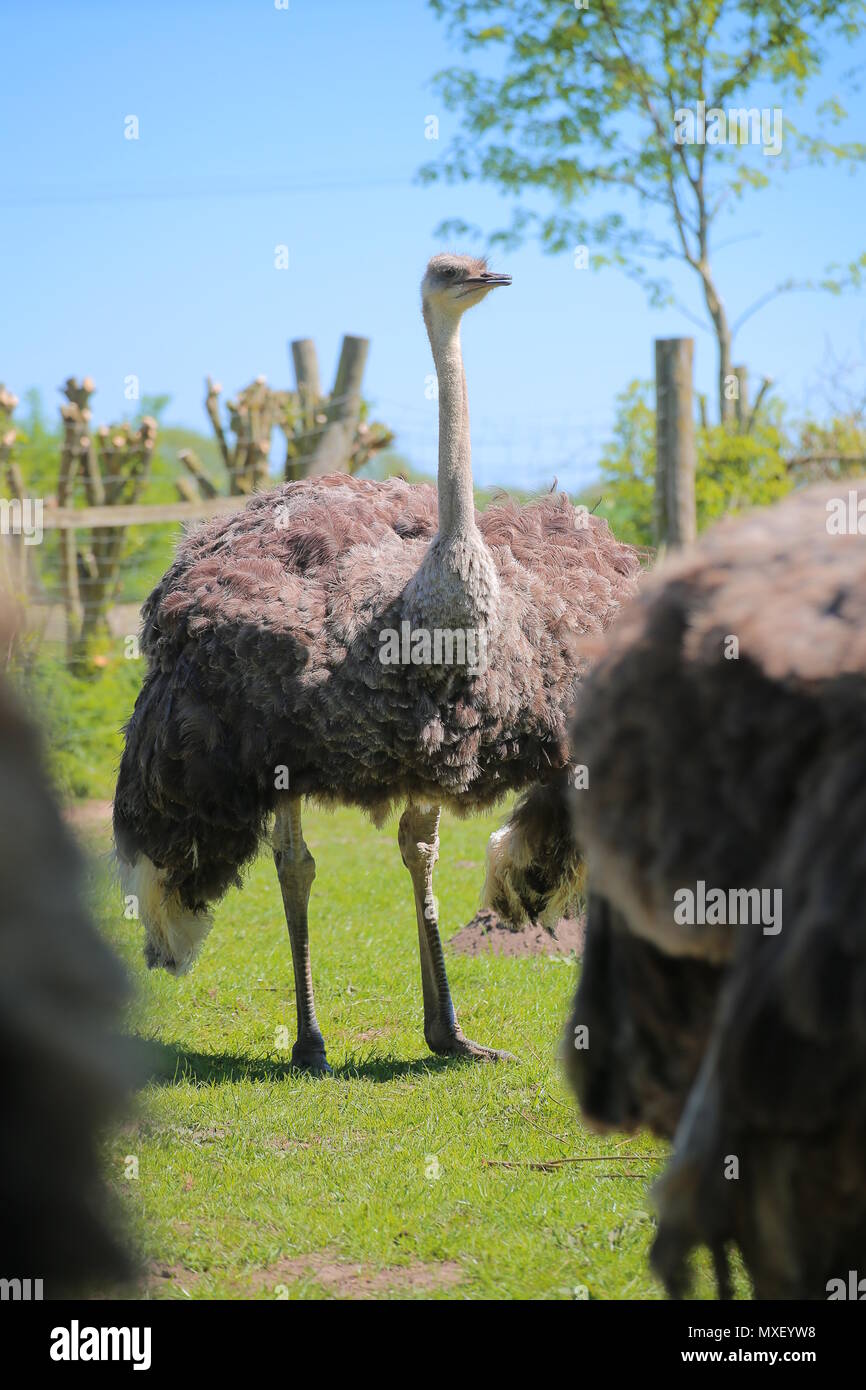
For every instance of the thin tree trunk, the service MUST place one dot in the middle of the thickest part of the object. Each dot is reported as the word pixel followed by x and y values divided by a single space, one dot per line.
pixel 742 401
pixel 727 404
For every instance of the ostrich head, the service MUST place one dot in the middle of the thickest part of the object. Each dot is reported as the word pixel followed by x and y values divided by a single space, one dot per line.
pixel 452 284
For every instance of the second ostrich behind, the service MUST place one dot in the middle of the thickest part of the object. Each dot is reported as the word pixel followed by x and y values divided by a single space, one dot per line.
pixel 724 732
pixel 352 641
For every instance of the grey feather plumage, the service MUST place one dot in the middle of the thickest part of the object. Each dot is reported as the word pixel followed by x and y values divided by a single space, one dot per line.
pixel 743 772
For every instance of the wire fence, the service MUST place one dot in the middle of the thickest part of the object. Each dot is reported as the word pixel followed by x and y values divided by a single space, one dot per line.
pixel 523 455
pixel 526 452
pixel 107 539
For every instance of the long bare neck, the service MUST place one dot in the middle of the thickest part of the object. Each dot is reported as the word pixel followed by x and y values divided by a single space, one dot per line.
pixel 456 500
pixel 456 585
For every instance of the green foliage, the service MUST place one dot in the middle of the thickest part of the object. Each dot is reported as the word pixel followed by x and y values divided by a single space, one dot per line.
pixel 734 471
pixel 155 406
pixel 833 448
pixel 82 718
pixel 37 446
pixel 564 101
pixel 627 467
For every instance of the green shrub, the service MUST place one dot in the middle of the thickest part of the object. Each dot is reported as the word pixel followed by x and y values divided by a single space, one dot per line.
pixel 81 718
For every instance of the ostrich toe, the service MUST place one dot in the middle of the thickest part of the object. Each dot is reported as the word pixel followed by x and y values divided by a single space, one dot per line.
pixel 452 1043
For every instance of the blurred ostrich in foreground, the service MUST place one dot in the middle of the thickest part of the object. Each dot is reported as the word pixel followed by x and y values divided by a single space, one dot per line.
pixel 355 642
pixel 60 992
pixel 744 1042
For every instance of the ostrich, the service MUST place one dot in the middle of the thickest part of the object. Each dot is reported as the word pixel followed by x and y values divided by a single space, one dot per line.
pixel 724 731
pixel 353 641
pixel 63 1077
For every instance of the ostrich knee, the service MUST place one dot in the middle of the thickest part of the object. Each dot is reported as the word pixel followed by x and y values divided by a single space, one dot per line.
pixel 296 869
pixel 418 838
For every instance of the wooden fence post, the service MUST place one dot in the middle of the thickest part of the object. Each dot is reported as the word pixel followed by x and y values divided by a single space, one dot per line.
pixel 14 555
pixel 675 514
pixel 76 441
pixel 323 433
pixel 306 365
pixel 309 392
pixel 334 449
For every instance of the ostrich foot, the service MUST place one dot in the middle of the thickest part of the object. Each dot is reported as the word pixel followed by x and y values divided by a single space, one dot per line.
pixel 310 1057
pixel 451 1043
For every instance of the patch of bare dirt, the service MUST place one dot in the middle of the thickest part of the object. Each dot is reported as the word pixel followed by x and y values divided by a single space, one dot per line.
pixel 346 1139
pixel 211 1134
pixel 343 1279
pixel 285 1145
pixel 339 1278
pixel 159 1277
pixel 86 813
pixel 487 933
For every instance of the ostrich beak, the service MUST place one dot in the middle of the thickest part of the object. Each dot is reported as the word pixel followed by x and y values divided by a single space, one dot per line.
pixel 488 279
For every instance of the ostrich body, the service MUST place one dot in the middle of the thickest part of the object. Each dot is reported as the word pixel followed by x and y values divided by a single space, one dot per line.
pixel 742 772
pixel 267 680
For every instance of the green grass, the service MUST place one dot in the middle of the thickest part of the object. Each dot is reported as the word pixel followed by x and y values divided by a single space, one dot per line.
pixel 244 1165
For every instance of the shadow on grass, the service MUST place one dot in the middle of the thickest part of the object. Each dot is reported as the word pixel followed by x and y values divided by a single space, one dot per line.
pixel 169 1064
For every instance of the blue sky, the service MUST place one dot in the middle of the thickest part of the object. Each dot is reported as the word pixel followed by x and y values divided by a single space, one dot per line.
pixel 261 127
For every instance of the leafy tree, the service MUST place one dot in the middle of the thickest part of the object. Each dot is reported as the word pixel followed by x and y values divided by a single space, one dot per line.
pixel 566 99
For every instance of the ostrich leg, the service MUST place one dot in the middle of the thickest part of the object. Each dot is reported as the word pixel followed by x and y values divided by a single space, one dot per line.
pixel 296 869
pixel 418 838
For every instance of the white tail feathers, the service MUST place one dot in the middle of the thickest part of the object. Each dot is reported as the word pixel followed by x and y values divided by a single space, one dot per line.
pixel 511 887
pixel 506 850
pixel 175 935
